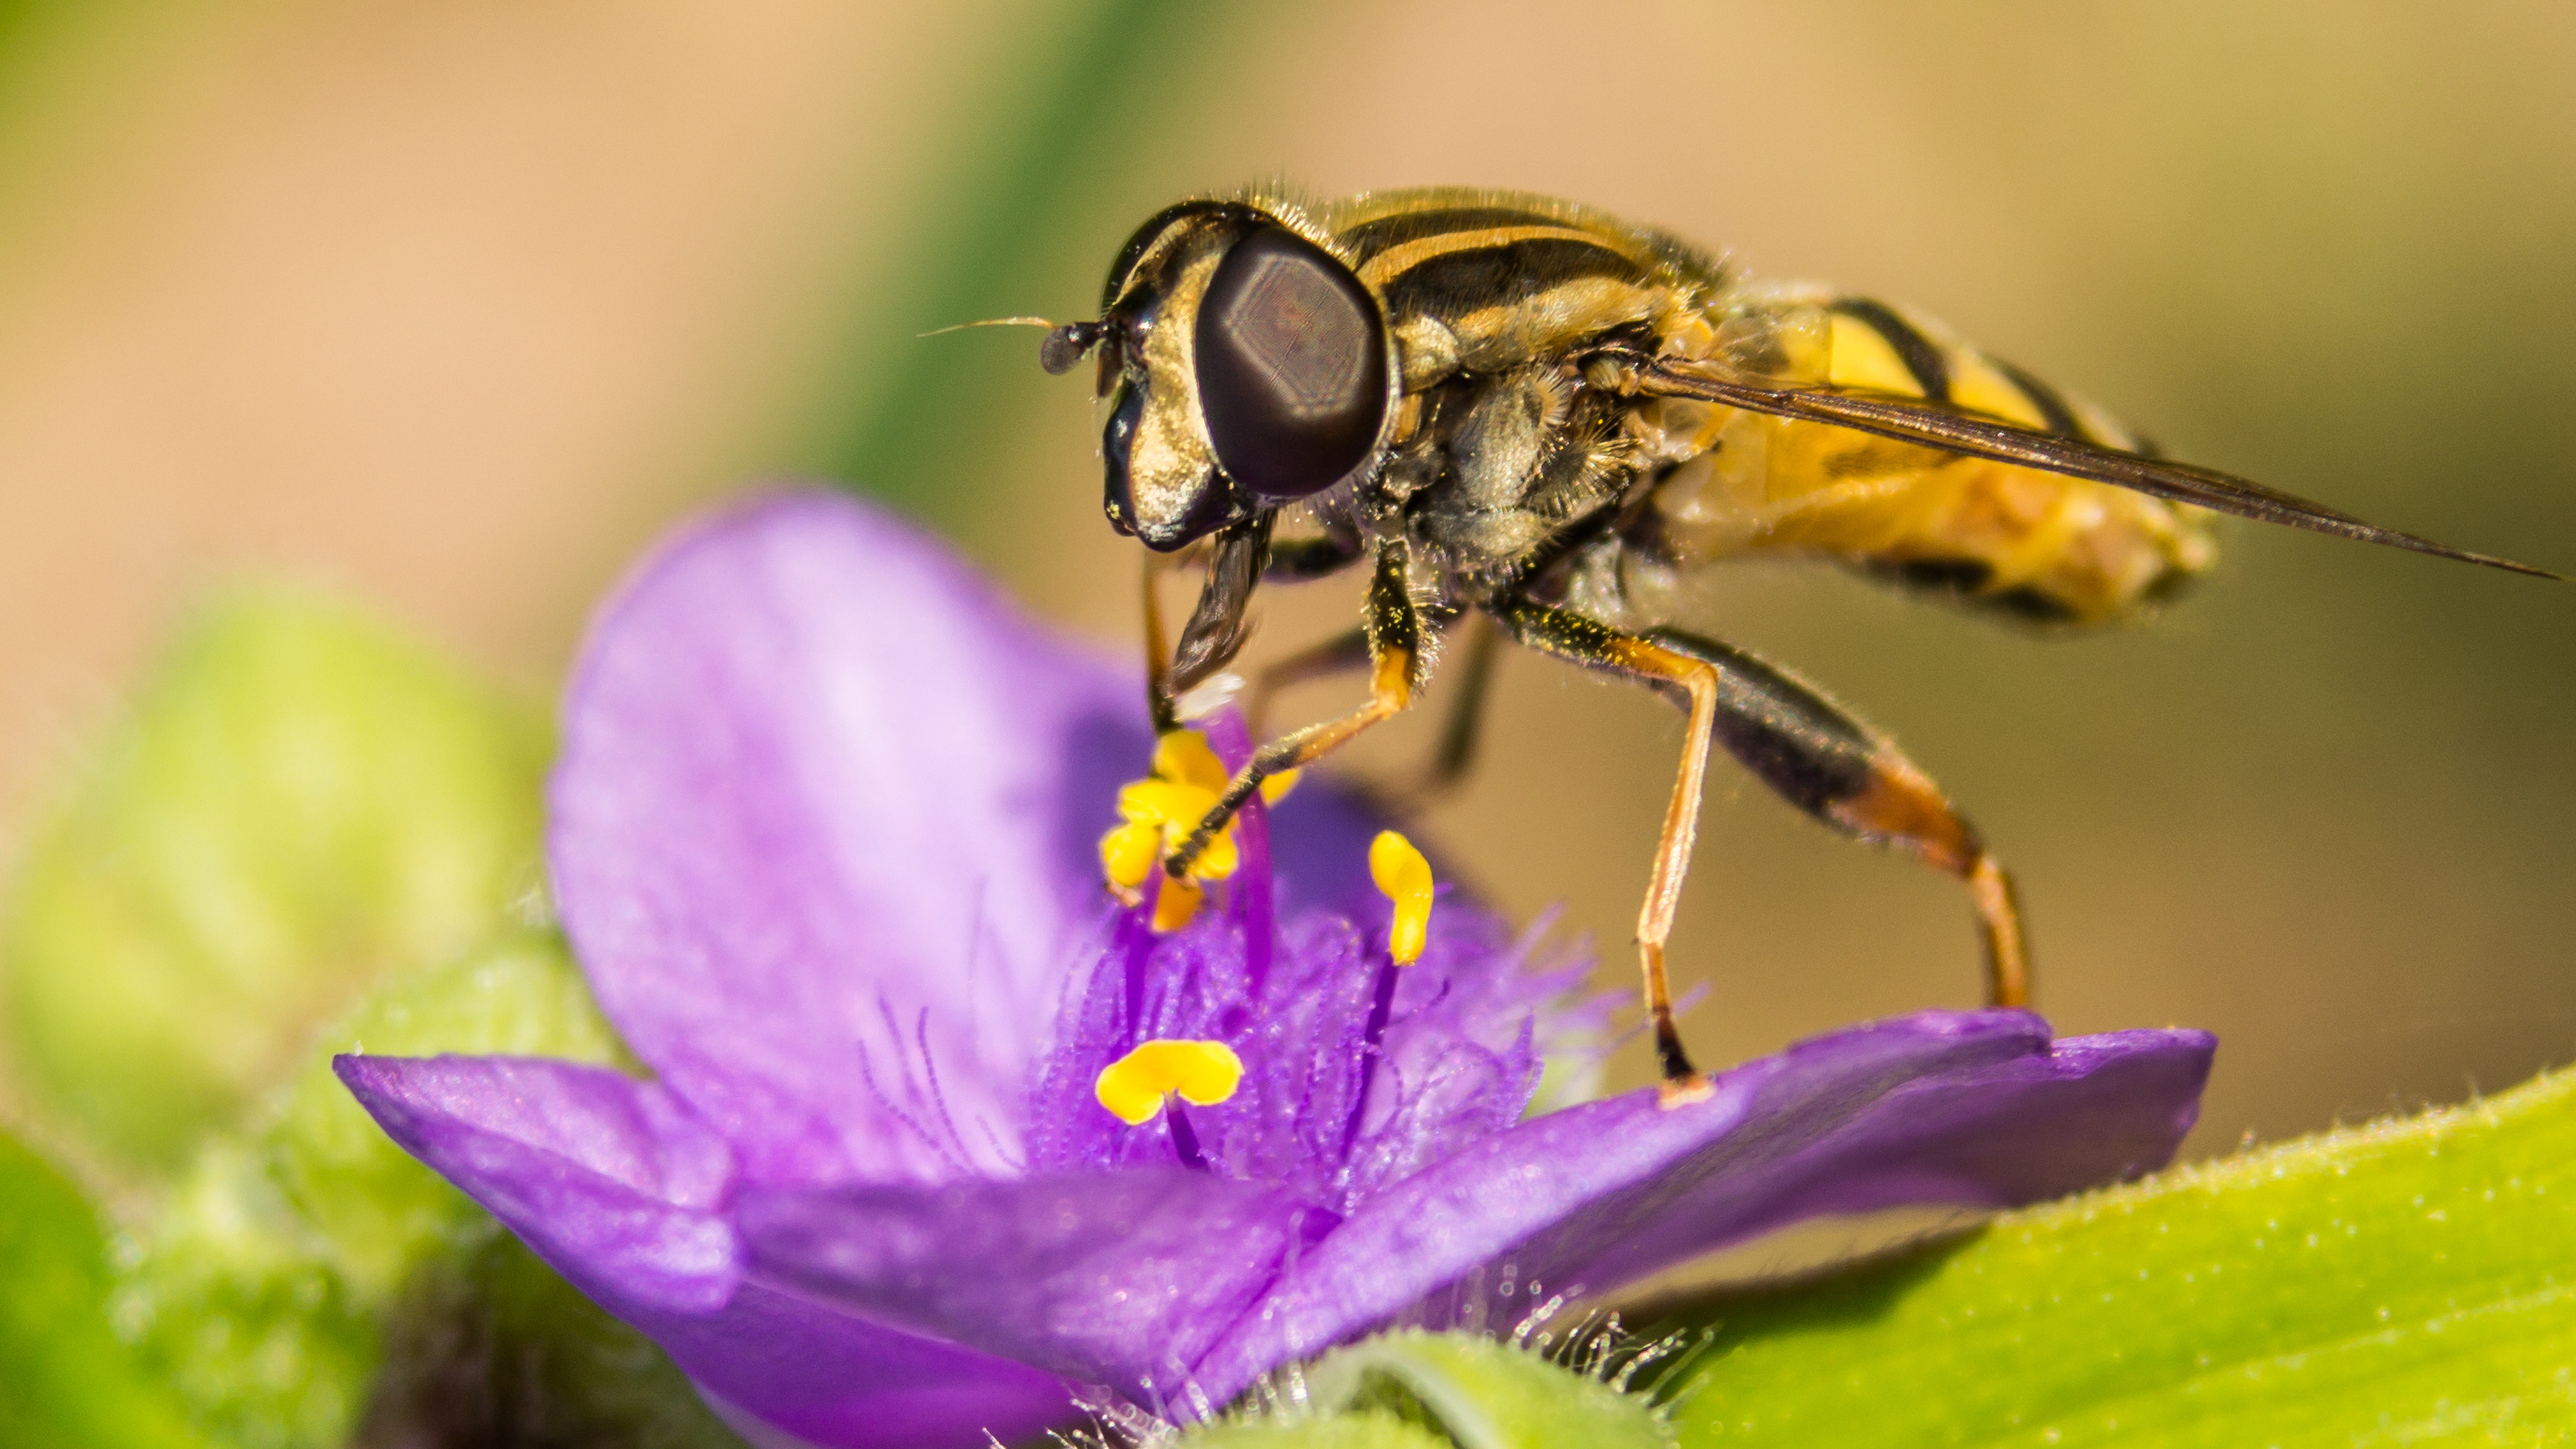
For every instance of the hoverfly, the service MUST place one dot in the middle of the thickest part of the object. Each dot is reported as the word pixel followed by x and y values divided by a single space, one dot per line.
pixel 1528 419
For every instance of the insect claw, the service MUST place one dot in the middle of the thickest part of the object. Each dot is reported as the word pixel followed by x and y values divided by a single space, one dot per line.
pixel 1683 1091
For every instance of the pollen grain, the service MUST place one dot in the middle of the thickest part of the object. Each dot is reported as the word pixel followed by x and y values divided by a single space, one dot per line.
pixel 1159 812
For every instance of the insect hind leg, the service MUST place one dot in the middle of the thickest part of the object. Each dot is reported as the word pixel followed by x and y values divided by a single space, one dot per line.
pixel 1586 641
pixel 1803 746
pixel 1815 755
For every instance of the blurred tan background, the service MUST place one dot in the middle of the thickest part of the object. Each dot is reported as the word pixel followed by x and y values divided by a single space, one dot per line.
pixel 452 307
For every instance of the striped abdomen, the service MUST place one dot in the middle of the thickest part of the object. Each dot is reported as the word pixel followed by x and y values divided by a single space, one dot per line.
pixel 2038 543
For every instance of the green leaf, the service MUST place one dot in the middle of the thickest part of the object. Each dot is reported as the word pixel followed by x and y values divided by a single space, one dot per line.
pixel 1026 208
pixel 65 1380
pixel 297 806
pixel 378 1208
pixel 232 1302
pixel 496 1348
pixel 1341 1431
pixel 1450 1389
pixel 2406 1282
pixel 306 821
pixel 262 1289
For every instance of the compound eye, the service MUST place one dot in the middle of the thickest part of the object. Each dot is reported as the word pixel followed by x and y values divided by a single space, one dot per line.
pixel 1291 366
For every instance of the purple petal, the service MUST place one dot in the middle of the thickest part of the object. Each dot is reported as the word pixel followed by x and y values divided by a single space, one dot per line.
pixel 1122 1278
pixel 823 832
pixel 823 837
pixel 589 1167
pixel 1975 1109
pixel 830 1379
pixel 623 1192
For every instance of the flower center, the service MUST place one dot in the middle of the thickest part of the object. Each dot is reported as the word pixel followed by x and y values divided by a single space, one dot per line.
pixel 1324 1056
pixel 1133 1087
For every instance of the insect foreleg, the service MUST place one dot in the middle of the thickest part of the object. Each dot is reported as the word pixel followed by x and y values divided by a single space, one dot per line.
pixel 1395 662
pixel 1587 641
pixel 1842 772
pixel 1461 723
pixel 1158 654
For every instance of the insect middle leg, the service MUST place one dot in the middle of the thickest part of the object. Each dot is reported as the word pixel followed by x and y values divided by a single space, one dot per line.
pixel 1462 722
pixel 1589 642
pixel 1395 674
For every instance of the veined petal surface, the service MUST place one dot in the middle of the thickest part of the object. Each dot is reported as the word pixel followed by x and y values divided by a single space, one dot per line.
pixel 1974 1109
pixel 821 834
pixel 1121 1278
pixel 823 837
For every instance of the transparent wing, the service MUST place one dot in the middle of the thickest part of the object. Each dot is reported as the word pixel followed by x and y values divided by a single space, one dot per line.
pixel 1981 435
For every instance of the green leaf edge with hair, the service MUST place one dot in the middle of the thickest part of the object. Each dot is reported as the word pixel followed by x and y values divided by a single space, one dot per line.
pixel 2239 1301
pixel 1456 1389
pixel 2411 1281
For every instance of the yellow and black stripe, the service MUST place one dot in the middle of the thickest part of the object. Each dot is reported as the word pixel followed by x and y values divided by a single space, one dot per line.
pixel 1517 280
pixel 1878 348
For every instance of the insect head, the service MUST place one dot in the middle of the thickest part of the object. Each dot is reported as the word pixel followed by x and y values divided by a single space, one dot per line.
pixel 1245 366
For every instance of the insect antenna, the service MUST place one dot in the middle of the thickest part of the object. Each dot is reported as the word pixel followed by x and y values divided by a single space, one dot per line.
pixel 1065 343
pixel 1049 323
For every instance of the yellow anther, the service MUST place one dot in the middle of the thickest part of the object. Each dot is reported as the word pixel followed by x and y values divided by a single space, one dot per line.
pixel 1162 811
pixel 1171 812
pixel 1133 1087
pixel 1184 787
pixel 1184 756
pixel 1159 801
pixel 1128 853
pixel 1175 902
pixel 1218 861
pixel 1405 877
pixel 1276 787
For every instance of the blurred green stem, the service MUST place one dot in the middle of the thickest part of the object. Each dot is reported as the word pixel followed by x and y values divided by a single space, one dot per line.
pixel 1044 141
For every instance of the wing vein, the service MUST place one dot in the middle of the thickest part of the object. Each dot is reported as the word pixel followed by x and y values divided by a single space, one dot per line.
pixel 1975 435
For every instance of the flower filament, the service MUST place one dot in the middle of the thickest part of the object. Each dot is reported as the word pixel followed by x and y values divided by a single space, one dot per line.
pixel 1405 878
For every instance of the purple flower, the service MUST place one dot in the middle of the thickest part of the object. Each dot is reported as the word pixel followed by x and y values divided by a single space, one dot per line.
pixel 823 837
